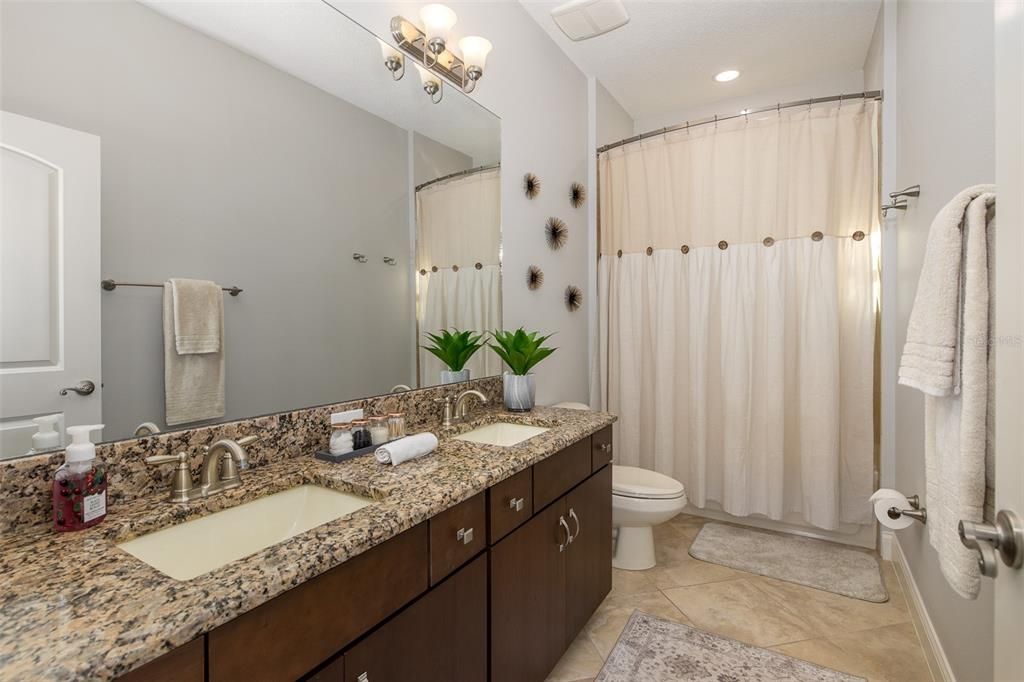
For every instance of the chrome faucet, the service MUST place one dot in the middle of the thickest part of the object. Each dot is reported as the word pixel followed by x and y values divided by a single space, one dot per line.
pixel 231 456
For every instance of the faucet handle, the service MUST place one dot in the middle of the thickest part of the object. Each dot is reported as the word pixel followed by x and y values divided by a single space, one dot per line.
pixel 180 458
pixel 181 480
pixel 248 440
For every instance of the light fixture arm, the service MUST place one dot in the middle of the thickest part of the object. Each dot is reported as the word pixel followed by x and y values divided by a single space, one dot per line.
pixel 413 42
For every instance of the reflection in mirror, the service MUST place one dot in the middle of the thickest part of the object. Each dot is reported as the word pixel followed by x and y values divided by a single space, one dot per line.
pixel 256 146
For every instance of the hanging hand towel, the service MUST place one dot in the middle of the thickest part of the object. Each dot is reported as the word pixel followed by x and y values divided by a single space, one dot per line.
pixel 930 356
pixel 193 382
pixel 955 424
pixel 198 316
pixel 407 448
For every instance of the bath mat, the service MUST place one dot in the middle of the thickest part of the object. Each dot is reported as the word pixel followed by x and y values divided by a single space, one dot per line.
pixel 804 561
pixel 655 650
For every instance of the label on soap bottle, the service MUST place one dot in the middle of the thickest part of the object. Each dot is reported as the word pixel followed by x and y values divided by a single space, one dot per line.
pixel 94 506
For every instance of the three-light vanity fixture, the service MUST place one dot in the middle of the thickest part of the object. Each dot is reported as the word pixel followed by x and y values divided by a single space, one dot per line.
pixel 430 52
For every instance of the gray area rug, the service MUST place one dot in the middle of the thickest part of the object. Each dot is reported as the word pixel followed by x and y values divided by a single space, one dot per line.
pixel 655 650
pixel 804 561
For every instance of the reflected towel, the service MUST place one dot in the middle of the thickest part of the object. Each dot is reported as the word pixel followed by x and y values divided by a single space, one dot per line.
pixel 193 383
pixel 198 316
pixel 404 449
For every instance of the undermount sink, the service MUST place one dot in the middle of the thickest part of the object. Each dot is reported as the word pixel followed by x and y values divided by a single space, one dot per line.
pixel 196 547
pixel 502 433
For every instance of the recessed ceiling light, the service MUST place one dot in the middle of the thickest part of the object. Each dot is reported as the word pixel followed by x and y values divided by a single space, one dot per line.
pixel 726 76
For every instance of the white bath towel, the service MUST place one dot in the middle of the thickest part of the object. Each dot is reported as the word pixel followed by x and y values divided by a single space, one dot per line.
pixel 956 425
pixel 198 316
pixel 404 449
pixel 930 355
pixel 193 383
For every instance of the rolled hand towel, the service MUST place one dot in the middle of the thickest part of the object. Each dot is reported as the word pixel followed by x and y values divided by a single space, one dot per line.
pixel 404 449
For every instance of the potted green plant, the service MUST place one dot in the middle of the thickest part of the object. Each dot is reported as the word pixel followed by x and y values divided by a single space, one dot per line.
pixel 454 348
pixel 521 351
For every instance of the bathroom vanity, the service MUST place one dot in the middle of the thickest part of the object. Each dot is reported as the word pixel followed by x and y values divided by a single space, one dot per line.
pixel 477 562
pixel 512 571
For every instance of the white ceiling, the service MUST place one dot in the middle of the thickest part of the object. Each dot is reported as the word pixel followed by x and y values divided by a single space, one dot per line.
pixel 665 58
pixel 314 42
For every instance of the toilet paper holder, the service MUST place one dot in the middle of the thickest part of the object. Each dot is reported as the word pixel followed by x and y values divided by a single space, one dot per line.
pixel 916 512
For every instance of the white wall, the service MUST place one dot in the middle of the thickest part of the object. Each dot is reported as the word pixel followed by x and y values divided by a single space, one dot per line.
pixel 541 98
pixel 822 86
pixel 945 135
pixel 613 123
pixel 873 62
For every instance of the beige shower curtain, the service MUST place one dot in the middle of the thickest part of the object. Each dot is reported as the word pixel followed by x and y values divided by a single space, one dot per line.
pixel 459 233
pixel 737 310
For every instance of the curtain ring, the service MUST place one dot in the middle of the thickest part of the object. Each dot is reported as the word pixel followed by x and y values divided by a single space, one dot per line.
pixel 778 109
pixel 723 245
pixel 716 121
pixel 858 235
pixel 840 100
pixel 768 241
pixel 817 235
pixel 687 128
pixel 650 250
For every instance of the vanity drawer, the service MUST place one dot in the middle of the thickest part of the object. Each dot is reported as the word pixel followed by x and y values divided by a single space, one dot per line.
pixel 298 630
pixel 555 475
pixel 510 504
pixel 601 448
pixel 456 536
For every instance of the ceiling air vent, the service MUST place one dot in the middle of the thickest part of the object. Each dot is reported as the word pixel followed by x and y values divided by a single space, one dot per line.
pixel 583 19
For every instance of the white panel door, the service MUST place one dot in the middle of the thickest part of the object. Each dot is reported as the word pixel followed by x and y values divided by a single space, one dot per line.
pixel 1009 312
pixel 49 277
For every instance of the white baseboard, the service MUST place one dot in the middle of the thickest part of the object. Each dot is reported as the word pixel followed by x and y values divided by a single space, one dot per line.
pixel 933 652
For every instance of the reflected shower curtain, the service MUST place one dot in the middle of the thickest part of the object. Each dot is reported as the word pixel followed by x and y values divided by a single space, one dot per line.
pixel 737 310
pixel 458 227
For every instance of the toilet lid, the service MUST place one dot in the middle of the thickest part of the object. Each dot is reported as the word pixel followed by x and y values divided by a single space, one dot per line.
pixel 634 482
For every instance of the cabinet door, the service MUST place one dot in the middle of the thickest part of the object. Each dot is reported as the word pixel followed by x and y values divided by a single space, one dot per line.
pixel 588 560
pixel 528 599
pixel 442 637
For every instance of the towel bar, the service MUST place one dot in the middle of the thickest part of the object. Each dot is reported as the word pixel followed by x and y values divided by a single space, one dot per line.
pixel 110 285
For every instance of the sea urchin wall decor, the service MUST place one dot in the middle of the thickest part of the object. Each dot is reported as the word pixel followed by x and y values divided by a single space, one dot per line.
pixel 577 195
pixel 534 278
pixel 531 185
pixel 557 232
pixel 573 297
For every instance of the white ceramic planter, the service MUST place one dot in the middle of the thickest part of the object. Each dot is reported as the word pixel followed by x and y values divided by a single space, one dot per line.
pixel 450 377
pixel 520 392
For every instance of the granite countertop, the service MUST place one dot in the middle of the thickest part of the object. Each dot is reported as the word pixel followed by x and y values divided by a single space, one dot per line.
pixel 74 606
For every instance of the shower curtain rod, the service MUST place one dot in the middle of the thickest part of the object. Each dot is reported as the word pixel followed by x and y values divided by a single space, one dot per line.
pixel 470 171
pixel 869 94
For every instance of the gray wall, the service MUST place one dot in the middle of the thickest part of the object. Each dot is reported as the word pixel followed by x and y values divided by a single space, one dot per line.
pixel 431 160
pixel 945 137
pixel 217 166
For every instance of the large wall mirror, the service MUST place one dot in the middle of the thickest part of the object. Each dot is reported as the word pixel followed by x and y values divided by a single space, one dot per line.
pixel 261 146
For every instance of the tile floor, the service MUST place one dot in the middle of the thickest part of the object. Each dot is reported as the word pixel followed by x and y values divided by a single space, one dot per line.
pixel 874 641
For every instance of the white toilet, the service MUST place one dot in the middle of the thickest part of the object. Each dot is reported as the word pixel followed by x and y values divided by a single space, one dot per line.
pixel 641 499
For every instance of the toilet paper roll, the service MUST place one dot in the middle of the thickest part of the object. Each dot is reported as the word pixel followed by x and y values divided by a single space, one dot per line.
pixel 885 499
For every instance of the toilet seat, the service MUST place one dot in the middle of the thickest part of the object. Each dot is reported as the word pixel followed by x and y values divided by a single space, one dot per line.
pixel 644 484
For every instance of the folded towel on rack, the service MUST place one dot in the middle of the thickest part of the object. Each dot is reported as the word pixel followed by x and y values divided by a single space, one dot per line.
pixel 194 382
pixel 198 316
pixel 404 449
pixel 930 360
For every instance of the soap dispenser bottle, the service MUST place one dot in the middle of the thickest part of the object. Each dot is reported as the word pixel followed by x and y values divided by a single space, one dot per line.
pixel 45 437
pixel 80 484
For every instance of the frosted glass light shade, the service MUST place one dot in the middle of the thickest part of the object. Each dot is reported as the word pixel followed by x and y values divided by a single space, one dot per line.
pixel 437 21
pixel 426 76
pixel 387 51
pixel 474 51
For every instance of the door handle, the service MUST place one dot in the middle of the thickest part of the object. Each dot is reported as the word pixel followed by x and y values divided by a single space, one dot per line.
pixel 81 388
pixel 568 535
pixel 1005 538
pixel 576 519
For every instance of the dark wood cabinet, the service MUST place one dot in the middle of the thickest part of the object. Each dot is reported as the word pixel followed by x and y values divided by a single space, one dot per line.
pixel 589 558
pixel 559 472
pixel 509 504
pixel 457 535
pixel 441 637
pixel 528 599
pixel 601 446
